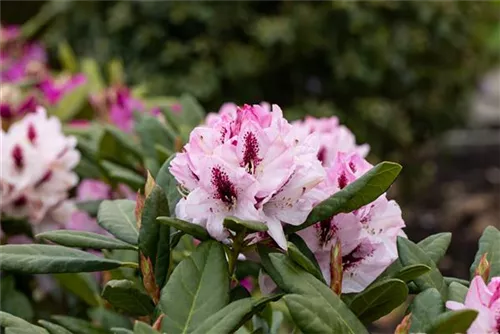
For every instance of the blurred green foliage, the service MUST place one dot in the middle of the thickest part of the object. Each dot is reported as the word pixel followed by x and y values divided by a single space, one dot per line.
pixel 397 73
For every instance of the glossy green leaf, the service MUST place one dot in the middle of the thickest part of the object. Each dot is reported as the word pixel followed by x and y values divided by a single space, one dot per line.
pixel 436 245
pixel 80 284
pixel 82 239
pixel 154 238
pixel 197 289
pixel 298 257
pixel 410 254
pixel 119 174
pixel 143 328
pixel 457 292
pixel 78 326
pixel 379 299
pixel 363 191
pixel 169 185
pixel 44 259
pixel 13 301
pixel 7 320
pixel 412 272
pixel 294 279
pixel 233 316
pixel 489 243
pixel 118 218
pixel 192 229
pixel 452 322
pixel 424 309
pixel 239 225
pixel 53 328
pixel 125 296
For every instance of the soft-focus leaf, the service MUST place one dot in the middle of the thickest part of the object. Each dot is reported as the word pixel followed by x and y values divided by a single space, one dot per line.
pixel 379 299
pixel 154 238
pixel 192 229
pixel 424 309
pixel 80 284
pixel 409 273
pixel 90 207
pixel 82 239
pixel 78 326
pixel 436 245
pixel 264 253
pixel 452 322
pixel 93 74
pixel 117 217
pixel 298 257
pixel 67 57
pixel 13 301
pixel 489 243
pixel 169 185
pixel 114 145
pixel 296 280
pixel 410 254
pixel 143 328
pixel 233 316
pixel 71 103
pixel 107 318
pixel 457 292
pixel 124 295
pixel 363 191
pixel 9 321
pixel 197 288
pixel 238 225
pixel 449 280
pixel 53 328
pixel 119 330
pixel 191 113
pixel 120 174
pixel 44 259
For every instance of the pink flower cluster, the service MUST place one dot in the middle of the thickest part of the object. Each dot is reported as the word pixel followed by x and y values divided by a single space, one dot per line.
pixel 486 300
pixel 37 162
pixel 367 236
pixel 247 162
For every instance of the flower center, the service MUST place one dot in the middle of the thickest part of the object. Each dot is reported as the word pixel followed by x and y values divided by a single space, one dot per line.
pixel 359 253
pixel 224 188
pixel 251 154
pixel 17 155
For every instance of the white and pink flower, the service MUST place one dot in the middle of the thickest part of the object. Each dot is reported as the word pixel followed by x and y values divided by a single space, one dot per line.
pixel 37 162
pixel 247 162
pixel 486 300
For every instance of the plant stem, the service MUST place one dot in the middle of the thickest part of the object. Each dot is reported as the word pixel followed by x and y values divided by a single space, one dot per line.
pixel 130 265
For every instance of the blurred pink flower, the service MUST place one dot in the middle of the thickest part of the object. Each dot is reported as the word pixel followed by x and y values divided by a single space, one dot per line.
pixel 13 104
pixel 53 89
pixel 333 137
pixel 37 163
pixel 367 235
pixel 486 300
pixel 247 162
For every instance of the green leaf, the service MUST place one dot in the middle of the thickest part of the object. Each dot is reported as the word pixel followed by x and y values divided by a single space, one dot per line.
pixel 449 280
pixel 489 243
pixel 93 74
pixel 118 218
pixel 303 261
pixel 379 299
pixel 436 245
pixel 107 318
pixel 7 320
pixel 192 113
pixel 189 228
pixel 78 326
pixel 90 207
pixel 81 285
pixel 71 103
pixel 410 254
pixel 197 288
pixel 264 254
pixel 424 309
pixel 82 239
pixel 312 314
pixel 234 315
pixel 124 295
pixel 169 185
pixel 453 322
pixel 143 328
pixel 154 238
pixel 298 281
pixel 412 272
pixel 53 328
pixel 115 145
pixel 44 259
pixel 120 174
pixel 67 57
pixel 118 330
pixel 13 301
pixel 17 330
pixel 239 225
pixel 457 292
pixel 361 192
pixel 116 72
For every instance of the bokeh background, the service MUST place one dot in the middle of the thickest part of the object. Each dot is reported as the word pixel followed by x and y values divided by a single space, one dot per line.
pixel 418 81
